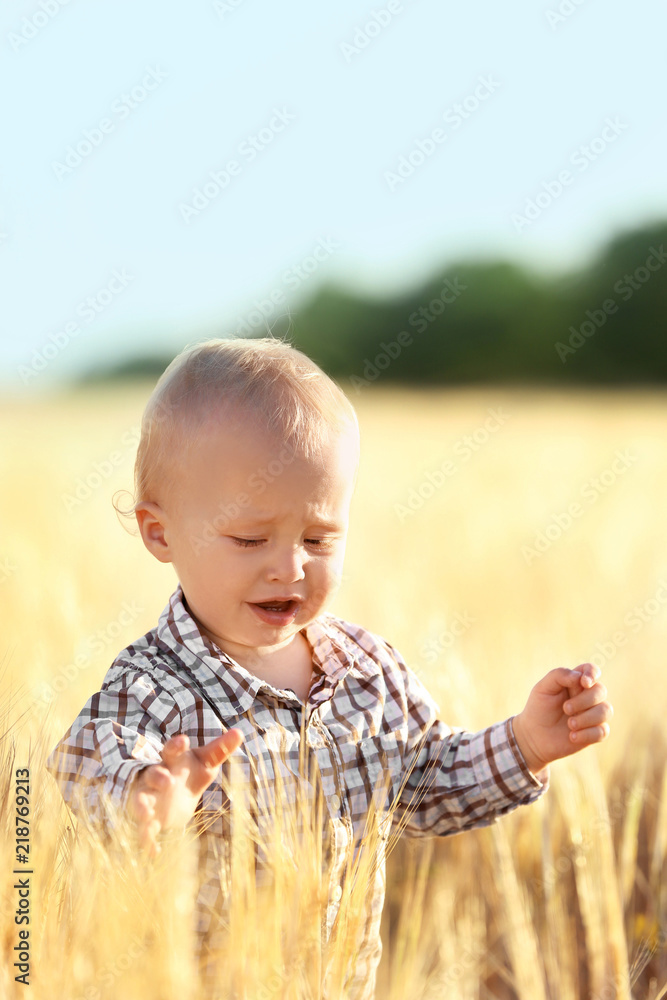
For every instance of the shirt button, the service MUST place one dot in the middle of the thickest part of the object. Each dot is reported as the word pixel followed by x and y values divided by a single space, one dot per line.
pixel 336 894
pixel 335 802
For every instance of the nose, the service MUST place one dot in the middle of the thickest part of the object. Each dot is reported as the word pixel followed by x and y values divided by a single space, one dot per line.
pixel 287 565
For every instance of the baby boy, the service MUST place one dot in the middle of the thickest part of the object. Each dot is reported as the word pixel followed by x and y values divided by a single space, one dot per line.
pixel 244 475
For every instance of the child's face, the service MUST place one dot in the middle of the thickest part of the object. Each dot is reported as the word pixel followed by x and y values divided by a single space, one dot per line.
pixel 250 524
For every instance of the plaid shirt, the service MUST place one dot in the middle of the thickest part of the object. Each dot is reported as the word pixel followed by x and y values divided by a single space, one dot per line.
pixel 367 718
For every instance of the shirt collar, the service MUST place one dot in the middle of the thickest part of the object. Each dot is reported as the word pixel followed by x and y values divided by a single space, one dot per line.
pixel 178 632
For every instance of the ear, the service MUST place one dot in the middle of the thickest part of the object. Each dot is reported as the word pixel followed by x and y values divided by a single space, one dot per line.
pixel 151 519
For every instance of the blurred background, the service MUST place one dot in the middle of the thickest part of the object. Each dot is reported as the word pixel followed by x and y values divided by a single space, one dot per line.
pixel 460 212
pixel 236 167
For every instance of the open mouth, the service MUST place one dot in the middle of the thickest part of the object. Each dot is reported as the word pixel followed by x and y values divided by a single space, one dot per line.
pixel 277 605
pixel 275 612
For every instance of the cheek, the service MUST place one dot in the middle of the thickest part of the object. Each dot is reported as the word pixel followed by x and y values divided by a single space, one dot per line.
pixel 329 573
pixel 215 565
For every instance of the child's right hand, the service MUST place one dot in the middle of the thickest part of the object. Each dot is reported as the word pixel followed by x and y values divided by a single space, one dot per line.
pixel 166 795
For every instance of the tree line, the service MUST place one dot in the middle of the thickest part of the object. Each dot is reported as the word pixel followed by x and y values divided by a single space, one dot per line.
pixel 494 322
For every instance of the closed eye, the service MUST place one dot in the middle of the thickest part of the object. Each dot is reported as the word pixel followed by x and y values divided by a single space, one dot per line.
pixel 320 543
pixel 246 543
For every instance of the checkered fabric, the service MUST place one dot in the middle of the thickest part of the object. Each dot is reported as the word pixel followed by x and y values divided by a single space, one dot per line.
pixel 368 723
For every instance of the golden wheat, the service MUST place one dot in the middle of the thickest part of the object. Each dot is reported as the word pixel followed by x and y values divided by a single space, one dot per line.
pixel 566 899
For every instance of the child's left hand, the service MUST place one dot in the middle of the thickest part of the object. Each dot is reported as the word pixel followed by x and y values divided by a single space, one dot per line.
pixel 566 711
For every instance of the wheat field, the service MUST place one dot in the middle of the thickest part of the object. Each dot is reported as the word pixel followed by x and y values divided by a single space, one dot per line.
pixel 494 534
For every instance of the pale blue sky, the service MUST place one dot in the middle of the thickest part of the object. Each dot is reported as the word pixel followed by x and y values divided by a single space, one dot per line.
pixel 219 72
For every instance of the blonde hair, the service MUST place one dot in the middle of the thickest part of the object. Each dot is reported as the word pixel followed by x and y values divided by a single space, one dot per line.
pixel 266 378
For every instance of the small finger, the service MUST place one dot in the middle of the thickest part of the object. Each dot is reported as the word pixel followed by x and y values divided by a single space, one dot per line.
pixel 148 831
pixel 142 808
pixel 593 717
pixel 213 753
pixel 586 699
pixel 558 679
pixel 157 778
pixel 594 734
pixel 589 674
pixel 150 845
pixel 175 746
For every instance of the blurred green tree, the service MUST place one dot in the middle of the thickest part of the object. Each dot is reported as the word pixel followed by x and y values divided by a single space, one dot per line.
pixel 492 321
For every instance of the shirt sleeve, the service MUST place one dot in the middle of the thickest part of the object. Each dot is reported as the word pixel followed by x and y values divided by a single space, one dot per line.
pixel 120 730
pixel 454 780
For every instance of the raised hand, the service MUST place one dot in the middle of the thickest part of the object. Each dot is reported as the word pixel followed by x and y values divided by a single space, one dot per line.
pixel 566 711
pixel 165 795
